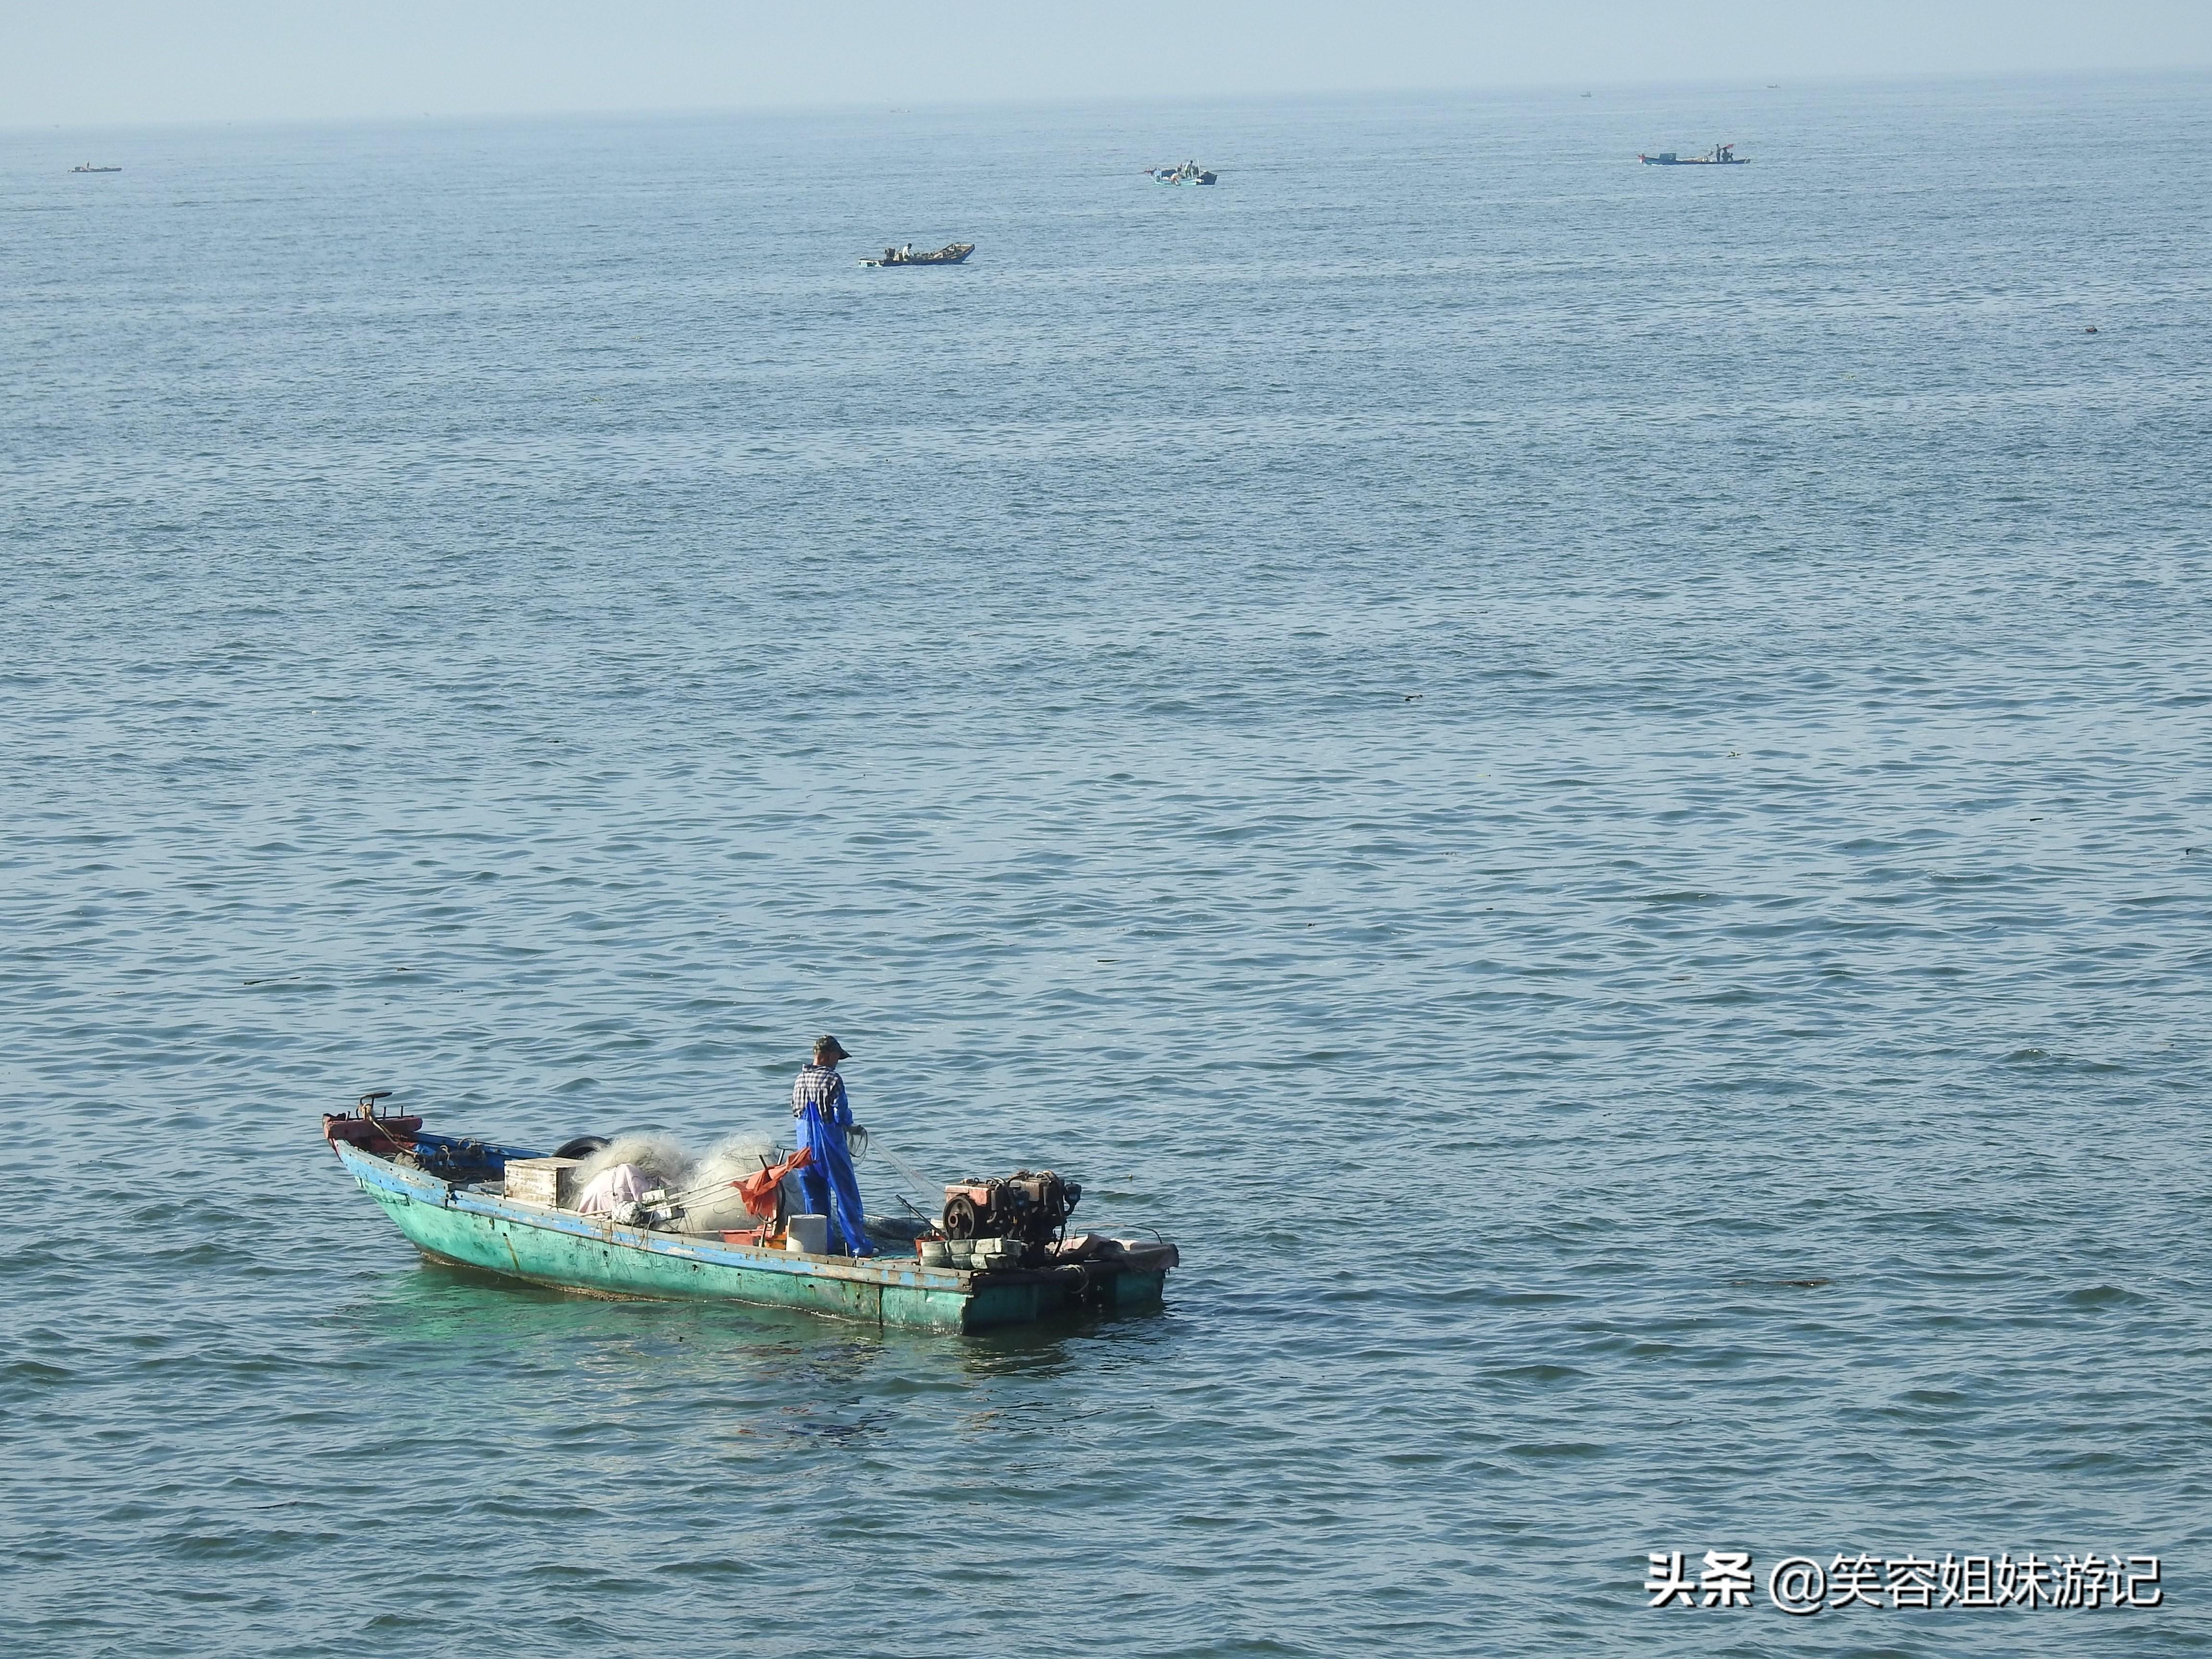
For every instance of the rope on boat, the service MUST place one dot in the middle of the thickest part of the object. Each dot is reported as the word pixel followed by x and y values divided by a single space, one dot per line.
pixel 863 1142
pixel 711 1187
pixel 912 1177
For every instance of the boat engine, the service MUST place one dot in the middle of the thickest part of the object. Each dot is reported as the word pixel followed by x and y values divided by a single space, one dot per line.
pixel 1032 1207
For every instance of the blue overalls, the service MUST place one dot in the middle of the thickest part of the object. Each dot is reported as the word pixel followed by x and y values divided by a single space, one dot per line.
pixel 829 1186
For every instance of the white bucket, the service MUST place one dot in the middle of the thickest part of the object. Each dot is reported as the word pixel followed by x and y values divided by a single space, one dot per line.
pixel 808 1233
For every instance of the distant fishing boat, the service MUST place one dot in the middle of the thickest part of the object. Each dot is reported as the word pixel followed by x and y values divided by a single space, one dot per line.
pixel 1720 156
pixel 86 167
pixel 997 1253
pixel 1188 173
pixel 951 254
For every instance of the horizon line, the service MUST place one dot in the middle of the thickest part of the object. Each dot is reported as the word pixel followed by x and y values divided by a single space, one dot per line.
pixel 1097 100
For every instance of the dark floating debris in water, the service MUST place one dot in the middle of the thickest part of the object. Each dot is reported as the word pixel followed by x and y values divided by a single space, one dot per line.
pixel 1781 1283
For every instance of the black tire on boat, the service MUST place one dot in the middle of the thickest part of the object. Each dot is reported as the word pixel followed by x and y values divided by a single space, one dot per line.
pixel 581 1146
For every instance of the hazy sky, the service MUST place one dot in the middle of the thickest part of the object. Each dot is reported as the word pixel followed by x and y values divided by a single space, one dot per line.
pixel 96 62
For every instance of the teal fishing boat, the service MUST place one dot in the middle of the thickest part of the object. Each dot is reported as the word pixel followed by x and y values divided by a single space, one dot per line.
pixel 501 1209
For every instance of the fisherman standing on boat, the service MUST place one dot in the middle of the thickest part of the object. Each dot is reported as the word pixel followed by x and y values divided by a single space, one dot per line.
pixel 824 1123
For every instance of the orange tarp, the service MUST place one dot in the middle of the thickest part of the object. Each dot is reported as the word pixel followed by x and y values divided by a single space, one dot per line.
pixel 758 1191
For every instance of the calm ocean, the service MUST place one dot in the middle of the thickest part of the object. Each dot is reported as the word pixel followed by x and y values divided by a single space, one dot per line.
pixel 1590 782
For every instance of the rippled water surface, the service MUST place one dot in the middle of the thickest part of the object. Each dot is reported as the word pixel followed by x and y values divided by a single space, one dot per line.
pixel 1590 782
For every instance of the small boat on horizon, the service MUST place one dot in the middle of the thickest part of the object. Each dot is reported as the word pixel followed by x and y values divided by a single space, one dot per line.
pixel 1188 173
pixel 1720 156
pixel 951 254
pixel 86 167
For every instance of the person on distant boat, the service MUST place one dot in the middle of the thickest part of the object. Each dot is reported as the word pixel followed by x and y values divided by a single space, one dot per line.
pixel 824 1124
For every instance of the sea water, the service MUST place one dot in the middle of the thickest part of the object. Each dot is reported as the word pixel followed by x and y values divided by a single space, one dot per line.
pixel 1588 781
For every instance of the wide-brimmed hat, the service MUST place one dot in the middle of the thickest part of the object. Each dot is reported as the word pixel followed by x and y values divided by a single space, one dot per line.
pixel 826 1045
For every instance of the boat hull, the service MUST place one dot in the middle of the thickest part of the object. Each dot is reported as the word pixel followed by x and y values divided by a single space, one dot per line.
pixel 592 1255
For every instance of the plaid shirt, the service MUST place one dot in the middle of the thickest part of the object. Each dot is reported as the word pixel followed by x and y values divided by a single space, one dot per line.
pixel 821 1086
